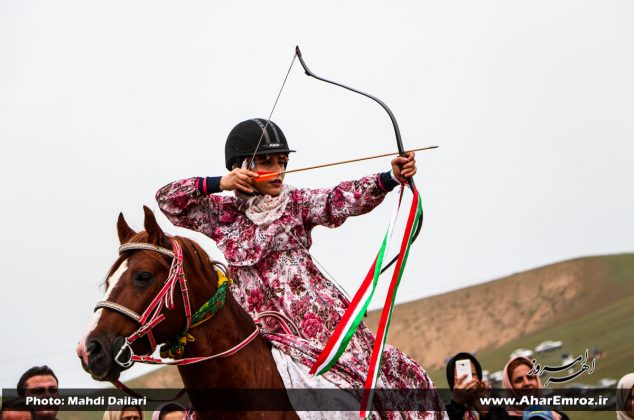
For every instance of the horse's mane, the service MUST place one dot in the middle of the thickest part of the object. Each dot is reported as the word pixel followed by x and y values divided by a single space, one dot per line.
pixel 194 257
pixel 197 258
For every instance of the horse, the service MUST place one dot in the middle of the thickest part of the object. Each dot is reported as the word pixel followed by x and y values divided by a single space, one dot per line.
pixel 225 341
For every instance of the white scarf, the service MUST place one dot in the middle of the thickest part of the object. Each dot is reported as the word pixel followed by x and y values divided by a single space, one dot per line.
pixel 265 209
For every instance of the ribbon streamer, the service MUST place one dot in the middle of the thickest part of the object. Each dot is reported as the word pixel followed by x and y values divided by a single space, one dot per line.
pixel 351 319
pixel 414 219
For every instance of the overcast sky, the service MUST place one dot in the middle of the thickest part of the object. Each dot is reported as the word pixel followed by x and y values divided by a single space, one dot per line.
pixel 103 102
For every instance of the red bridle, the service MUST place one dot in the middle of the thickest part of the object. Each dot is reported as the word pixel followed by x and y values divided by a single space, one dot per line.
pixel 153 314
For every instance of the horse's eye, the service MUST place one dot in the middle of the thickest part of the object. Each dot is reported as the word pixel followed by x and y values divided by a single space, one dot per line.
pixel 143 278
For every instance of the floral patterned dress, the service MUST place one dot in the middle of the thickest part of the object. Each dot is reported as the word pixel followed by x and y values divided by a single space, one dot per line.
pixel 273 271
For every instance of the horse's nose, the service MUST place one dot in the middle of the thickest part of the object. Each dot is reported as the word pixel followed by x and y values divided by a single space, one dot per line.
pixel 94 349
pixel 97 360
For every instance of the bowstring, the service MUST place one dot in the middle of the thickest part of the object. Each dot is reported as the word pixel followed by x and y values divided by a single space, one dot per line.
pixel 279 93
pixel 268 120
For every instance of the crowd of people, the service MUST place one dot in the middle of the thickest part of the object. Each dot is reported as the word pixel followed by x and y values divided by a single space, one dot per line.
pixel 465 402
pixel 518 380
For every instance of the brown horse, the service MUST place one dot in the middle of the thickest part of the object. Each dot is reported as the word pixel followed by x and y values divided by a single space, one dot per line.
pixel 137 280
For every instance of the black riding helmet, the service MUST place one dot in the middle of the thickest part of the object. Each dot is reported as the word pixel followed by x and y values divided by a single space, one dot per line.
pixel 243 140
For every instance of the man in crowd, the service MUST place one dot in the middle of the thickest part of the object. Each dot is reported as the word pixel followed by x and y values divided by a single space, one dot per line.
pixel 41 382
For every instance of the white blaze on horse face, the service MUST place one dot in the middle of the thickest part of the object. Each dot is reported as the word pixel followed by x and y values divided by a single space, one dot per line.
pixel 112 282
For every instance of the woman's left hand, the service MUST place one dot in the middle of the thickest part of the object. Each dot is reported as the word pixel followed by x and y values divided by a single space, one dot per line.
pixel 404 167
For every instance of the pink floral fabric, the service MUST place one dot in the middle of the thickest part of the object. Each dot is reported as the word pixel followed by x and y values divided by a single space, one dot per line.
pixel 273 271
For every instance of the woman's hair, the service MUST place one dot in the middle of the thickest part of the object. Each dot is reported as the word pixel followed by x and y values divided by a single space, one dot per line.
pixel 515 364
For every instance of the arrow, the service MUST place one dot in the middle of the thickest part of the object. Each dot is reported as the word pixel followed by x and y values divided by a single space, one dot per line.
pixel 268 175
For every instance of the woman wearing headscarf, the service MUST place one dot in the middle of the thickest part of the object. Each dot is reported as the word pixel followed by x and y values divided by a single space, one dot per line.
pixel 170 411
pixel 625 397
pixel 129 412
pixel 464 404
pixel 264 229
pixel 518 382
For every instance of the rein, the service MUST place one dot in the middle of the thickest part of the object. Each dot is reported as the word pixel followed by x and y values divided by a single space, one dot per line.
pixel 153 314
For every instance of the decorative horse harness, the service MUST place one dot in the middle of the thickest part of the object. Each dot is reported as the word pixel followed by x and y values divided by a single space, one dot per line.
pixel 153 314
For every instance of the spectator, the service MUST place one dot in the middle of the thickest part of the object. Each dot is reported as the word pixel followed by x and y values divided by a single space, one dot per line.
pixel 625 398
pixel 40 381
pixel 129 412
pixel 464 402
pixel 518 383
pixel 169 411
pixel 16 409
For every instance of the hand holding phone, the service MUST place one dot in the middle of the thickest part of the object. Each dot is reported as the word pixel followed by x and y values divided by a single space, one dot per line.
pixel 463 367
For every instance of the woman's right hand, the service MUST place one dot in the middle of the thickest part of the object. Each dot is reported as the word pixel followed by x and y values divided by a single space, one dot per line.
pixel 238 179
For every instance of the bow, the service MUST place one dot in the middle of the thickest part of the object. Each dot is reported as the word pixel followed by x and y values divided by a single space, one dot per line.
pixel 397 131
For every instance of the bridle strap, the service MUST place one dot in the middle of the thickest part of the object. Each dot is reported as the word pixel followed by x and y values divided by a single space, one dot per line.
pixel 130 246
pixel 165 296
pixel 189 360
pixel 118 308
pixel 285 322
pixel 153 315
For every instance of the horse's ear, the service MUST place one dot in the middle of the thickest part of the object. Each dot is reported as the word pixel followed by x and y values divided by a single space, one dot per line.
pixel 155 234
pixel 124 231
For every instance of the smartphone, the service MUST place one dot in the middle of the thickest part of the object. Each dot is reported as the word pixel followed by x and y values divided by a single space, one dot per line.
pixel 463 367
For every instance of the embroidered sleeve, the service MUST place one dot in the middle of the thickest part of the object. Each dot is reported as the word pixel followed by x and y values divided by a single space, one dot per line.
pixel 185 205
pixel 332 206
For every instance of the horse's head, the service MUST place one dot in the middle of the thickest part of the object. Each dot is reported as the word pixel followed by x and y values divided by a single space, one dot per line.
pixel 144 285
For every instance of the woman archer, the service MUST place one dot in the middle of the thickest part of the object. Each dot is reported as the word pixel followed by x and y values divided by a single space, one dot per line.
pixel 264 231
